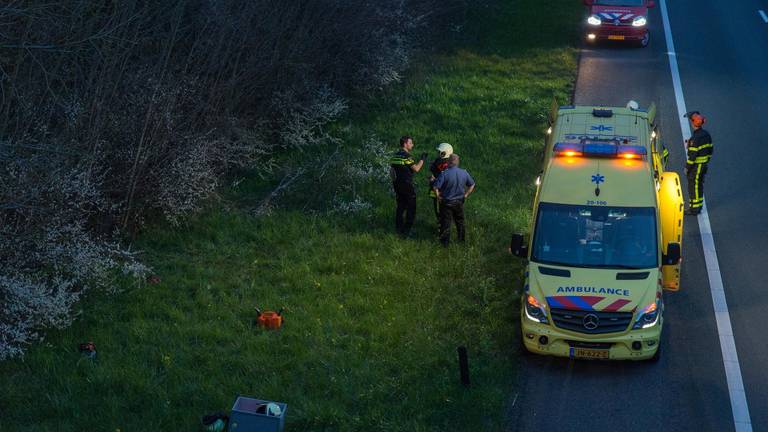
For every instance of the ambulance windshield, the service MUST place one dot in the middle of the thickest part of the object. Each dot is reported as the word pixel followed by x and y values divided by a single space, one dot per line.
pixel 595 236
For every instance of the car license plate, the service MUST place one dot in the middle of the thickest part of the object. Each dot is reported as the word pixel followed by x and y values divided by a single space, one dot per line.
pixel 615 37
pixel 586 353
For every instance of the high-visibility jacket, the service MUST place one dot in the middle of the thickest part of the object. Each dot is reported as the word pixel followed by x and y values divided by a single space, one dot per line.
pixel 400 167
pixel 700 148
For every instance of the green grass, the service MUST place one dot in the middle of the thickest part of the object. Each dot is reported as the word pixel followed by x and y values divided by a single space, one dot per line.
pixel 373 321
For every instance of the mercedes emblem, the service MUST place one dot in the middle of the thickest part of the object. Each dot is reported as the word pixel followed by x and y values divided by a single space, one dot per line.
pixel 591 321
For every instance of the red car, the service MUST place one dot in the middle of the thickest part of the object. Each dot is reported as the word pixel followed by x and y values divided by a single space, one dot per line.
pixel 621 20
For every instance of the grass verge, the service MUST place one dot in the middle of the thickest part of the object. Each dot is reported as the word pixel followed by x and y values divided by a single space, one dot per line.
pixel 373 321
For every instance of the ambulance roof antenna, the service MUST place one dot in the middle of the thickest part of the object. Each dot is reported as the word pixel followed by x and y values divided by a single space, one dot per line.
pixel 634 106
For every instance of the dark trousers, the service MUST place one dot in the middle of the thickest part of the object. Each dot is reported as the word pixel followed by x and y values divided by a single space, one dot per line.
pixel 451 211
pixel 405 212
pixel 695 176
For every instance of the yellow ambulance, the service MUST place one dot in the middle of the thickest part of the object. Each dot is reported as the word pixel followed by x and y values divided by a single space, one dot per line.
pixel 606 237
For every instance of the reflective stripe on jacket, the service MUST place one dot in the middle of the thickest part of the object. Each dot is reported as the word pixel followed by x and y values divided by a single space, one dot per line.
pixel 400 164
pixel 700 148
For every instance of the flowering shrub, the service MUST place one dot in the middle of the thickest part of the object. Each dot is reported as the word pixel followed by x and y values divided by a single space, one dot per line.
pixel 49 255
pixel 344 180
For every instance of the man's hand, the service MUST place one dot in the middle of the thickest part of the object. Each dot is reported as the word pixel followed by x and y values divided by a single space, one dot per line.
pixel 468 191
pixel 424 156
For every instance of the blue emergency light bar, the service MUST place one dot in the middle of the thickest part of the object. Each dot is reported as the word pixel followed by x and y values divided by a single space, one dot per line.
pixel 601 150
pixel 605 113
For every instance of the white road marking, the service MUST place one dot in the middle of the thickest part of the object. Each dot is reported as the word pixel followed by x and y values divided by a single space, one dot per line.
pixel 762 14
pixel 738 397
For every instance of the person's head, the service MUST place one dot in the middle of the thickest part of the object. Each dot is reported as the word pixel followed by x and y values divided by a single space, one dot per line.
pixel 444 150
pixel 406 143
pixel 453 160
pixel 697 120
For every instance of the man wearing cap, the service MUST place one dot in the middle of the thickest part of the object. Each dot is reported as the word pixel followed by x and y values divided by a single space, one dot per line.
pixel 452 187
pixel 402 168
pixel 440 164
pixel 699 149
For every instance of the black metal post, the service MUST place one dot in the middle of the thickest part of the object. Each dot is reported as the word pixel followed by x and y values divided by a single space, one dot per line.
pixel 463 366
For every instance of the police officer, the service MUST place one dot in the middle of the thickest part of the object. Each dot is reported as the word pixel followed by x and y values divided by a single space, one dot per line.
pixel 699 148
pixel 402 168
pixel 440 164
pixel 452 187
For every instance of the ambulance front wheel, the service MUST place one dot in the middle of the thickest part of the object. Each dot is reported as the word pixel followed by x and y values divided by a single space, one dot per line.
pixel 523 350
pixel 642 43
pixel 656 355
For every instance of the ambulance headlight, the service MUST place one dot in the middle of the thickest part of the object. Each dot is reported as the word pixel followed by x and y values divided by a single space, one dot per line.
pixel 594 20
pixel 535 310
pixel 639 21
pixel 648 317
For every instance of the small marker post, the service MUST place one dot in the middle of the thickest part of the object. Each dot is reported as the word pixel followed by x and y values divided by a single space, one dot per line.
pixel 463 366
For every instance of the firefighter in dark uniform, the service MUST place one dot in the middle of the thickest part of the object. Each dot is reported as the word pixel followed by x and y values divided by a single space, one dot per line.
pixel 440 164
pixel 402 168
pixel 699 148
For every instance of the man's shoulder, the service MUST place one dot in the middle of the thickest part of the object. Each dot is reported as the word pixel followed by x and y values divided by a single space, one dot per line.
pixel 701 134
pixel 401 157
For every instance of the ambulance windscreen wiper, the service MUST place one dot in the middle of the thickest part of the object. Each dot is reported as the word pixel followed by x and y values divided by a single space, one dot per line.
pixel 621 266
pixel 562 264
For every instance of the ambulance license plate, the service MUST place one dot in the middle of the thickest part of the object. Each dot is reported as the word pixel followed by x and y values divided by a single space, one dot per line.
pixel 586 353
pixel 615 37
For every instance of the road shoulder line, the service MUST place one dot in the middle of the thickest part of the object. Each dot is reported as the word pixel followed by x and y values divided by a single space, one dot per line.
pixel 738 397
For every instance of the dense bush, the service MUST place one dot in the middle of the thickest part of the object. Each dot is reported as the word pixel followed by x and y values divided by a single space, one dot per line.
pixel 112 112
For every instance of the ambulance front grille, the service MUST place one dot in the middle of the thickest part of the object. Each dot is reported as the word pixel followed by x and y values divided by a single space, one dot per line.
pixel 621 29
pixel 607 322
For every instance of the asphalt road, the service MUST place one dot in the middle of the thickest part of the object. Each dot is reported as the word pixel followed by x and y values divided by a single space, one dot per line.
pixel 722 52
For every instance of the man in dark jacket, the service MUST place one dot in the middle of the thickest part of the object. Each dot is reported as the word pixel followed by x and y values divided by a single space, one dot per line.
pixel 402 168
pixel 452 187
pixel 699 149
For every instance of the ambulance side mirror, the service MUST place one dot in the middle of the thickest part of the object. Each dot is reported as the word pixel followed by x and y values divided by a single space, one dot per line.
pixel 518 247
pixel 672 257
pixel 650 4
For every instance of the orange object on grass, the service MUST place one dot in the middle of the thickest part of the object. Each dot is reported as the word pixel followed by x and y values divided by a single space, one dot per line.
pixel 269 319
